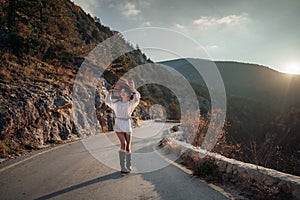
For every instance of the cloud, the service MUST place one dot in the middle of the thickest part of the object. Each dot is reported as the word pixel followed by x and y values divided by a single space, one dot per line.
pixel 88 6
pixel 147 23
pixel 179 26
pixel 227 20
pixel 129 10
pixel 144 3
pixel 212 46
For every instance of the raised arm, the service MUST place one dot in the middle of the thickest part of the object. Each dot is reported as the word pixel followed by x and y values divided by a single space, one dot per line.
pixel 135 101
pixel 136 98
pixel 108 100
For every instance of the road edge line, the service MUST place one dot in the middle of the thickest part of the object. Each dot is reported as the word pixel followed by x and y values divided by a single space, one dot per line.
pixel 33 156
pixel 44 151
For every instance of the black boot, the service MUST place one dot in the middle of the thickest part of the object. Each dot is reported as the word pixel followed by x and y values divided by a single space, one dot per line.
pixel 122 162
pixel 128 161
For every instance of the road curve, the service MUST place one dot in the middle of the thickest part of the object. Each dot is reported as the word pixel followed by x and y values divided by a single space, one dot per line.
pixel 86 170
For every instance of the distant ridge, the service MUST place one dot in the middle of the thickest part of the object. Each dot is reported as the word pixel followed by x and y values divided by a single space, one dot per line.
pixel 242 79
pixel 263 107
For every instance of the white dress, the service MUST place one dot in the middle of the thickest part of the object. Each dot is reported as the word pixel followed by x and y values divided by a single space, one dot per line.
pixel 123 112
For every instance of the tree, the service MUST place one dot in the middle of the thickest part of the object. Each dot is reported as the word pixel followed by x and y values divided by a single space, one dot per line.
pixel 11 14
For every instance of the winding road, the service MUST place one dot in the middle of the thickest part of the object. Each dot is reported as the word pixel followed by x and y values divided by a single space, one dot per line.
pixel 88 169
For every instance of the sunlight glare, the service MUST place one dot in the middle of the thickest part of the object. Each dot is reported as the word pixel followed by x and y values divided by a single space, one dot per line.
pixel 293 68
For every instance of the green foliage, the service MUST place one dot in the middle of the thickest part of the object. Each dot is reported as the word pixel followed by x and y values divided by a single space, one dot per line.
pixel 158 94
pixel 45 29
pixel 54 141
pixel 16 43
pixel 31 146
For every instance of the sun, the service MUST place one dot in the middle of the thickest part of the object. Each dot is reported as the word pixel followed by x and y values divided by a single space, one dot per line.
pixel 293 68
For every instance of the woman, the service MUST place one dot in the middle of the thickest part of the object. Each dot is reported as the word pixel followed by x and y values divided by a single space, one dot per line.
pixel 123 108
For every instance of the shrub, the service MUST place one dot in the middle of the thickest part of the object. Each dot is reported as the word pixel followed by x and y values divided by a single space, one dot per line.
pixel 174 128
pixel 31 146
pixel 4 150
pixel 207 169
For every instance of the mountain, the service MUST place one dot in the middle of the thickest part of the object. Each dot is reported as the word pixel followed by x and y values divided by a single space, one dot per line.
pixel 262 108
pixel 245 80
pixel 266 91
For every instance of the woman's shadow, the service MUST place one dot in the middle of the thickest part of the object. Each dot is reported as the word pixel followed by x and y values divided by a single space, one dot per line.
pixel 114 175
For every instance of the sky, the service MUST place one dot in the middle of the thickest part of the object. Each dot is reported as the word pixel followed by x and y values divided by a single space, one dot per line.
pixel 264 32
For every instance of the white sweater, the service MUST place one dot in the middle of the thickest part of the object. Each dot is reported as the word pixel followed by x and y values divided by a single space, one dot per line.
pixel 123 112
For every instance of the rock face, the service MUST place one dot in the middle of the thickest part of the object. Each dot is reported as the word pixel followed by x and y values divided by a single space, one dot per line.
pixel 32 115
pixel 104 114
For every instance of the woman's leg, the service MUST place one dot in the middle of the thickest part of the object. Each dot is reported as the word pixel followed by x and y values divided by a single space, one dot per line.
pixel 128 142
pixel 128 151
pixel 122 155
pixel 122 138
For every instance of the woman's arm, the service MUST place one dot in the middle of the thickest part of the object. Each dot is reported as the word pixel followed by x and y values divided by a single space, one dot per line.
pixel 108 100
pixel 136 99
pixel 136 95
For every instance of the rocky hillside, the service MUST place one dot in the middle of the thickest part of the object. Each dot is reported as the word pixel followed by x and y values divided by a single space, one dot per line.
pixel 281 146
pixel 42 45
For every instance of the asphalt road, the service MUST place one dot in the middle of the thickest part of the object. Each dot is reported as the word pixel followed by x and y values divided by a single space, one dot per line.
pixel 88 169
